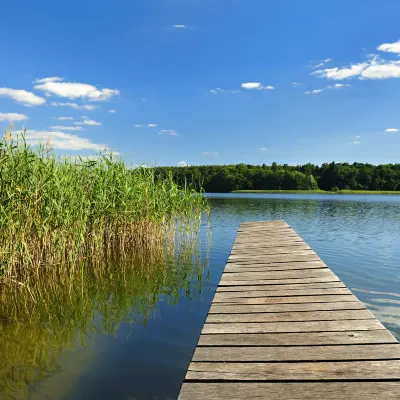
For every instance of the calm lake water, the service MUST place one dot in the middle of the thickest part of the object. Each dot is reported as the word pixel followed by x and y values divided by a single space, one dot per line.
pixel 137 334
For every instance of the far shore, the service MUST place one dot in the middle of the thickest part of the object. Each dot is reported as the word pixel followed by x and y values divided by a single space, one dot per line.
pixel 319 191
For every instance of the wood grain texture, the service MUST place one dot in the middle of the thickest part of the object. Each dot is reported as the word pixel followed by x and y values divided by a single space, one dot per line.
pixel 230 308
pixel 292 327
pixel 291 316
pixel 346 370
pixel 291 391
pixel 220 298
pixel 286 281
pixel 298 339
pixel 326 285
pixel 266 268
pixel 278 275
pixel 299 353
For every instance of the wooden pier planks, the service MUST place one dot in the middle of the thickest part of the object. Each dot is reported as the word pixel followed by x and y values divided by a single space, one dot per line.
pixel 283 326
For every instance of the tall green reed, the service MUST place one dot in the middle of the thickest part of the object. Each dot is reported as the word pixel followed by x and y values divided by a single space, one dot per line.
pixel 56 212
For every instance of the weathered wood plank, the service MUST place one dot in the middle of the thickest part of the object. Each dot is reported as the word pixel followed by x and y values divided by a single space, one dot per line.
pixel 285 300
pixel 286 281
pixel 314 273
pixel 299 353
pixel 299 339
pixel 266 268
pixel 276 258
pixel 291 316
pixel 299 286
pixel 292 327
pixel 272 251
pixel 221 308
pixel 291 391
pixel 281 293
pixel 346 370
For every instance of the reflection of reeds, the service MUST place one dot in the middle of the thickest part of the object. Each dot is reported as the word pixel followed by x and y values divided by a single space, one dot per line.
pixel 53 311
pixel 58 212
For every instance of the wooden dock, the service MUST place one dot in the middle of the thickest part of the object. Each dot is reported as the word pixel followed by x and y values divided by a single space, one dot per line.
pixel 283 326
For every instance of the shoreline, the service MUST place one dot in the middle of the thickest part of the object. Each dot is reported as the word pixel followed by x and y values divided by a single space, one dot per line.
pixel 319 192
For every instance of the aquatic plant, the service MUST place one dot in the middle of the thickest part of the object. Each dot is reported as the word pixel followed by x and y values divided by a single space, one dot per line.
pixel 56 212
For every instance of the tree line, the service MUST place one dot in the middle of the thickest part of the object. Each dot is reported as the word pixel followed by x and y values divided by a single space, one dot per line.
pixel 329 176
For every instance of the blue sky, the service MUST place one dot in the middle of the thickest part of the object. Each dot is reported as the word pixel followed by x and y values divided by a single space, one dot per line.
pixel 218 81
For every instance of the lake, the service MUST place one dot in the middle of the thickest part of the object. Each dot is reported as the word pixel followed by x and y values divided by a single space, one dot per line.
pixel 131 335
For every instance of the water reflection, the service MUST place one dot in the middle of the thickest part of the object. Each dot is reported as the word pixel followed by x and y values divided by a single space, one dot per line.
pixel 47 318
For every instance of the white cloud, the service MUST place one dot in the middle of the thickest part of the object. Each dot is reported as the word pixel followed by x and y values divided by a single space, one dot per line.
pixel 138 126
pixel 112 111
pixel 209 153
pixel 66 128
pixel 22 97
pixel 220 90
pixel 62 141
pixel 65 118
pixel 355 142
pixel 391 130
pixel 255 85
pixel 341 73
pixel 358 137
pixel 179 26
pixel 12 117
pixel 170 132
pixel 338 86
pixel 322 63
pixel 75 106
pixel 390 47
pixel 75 90
pixel 182 163
pixel 90 122
pixel 152 125
pixel 382 71
pixel 51 79
pixel 315 91
pixel 263 148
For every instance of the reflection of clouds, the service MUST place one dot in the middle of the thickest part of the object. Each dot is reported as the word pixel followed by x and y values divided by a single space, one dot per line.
pixel 387 315
pixel 373 292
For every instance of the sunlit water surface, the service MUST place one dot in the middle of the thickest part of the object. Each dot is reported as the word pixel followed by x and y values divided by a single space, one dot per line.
pixel 143 353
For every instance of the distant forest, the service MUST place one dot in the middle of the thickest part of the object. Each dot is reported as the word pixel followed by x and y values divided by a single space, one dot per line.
pixel 331 177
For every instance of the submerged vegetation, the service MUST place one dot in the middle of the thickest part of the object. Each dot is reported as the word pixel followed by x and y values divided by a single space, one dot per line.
pixel 333 177
pixel 44 322
pixel 57 212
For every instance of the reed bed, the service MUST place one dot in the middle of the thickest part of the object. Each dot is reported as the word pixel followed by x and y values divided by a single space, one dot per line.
pixel 56 212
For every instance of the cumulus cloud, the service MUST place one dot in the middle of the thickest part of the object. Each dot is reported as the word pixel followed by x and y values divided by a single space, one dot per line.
pixel 179 26
pixel 209 153
pixel 391 130
pixel 47 80
pixel 315 91
pixel 74 90
pixel 22 97
pixel 341 73
pixel 66 128
pixel 390 47
pixel 65 118
pixel 182 163
pixel 12 117
pixel 75 106
pixel 170 132
pixel 152 125
pixel 255 85
pixel 62 141
pixel 112 111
